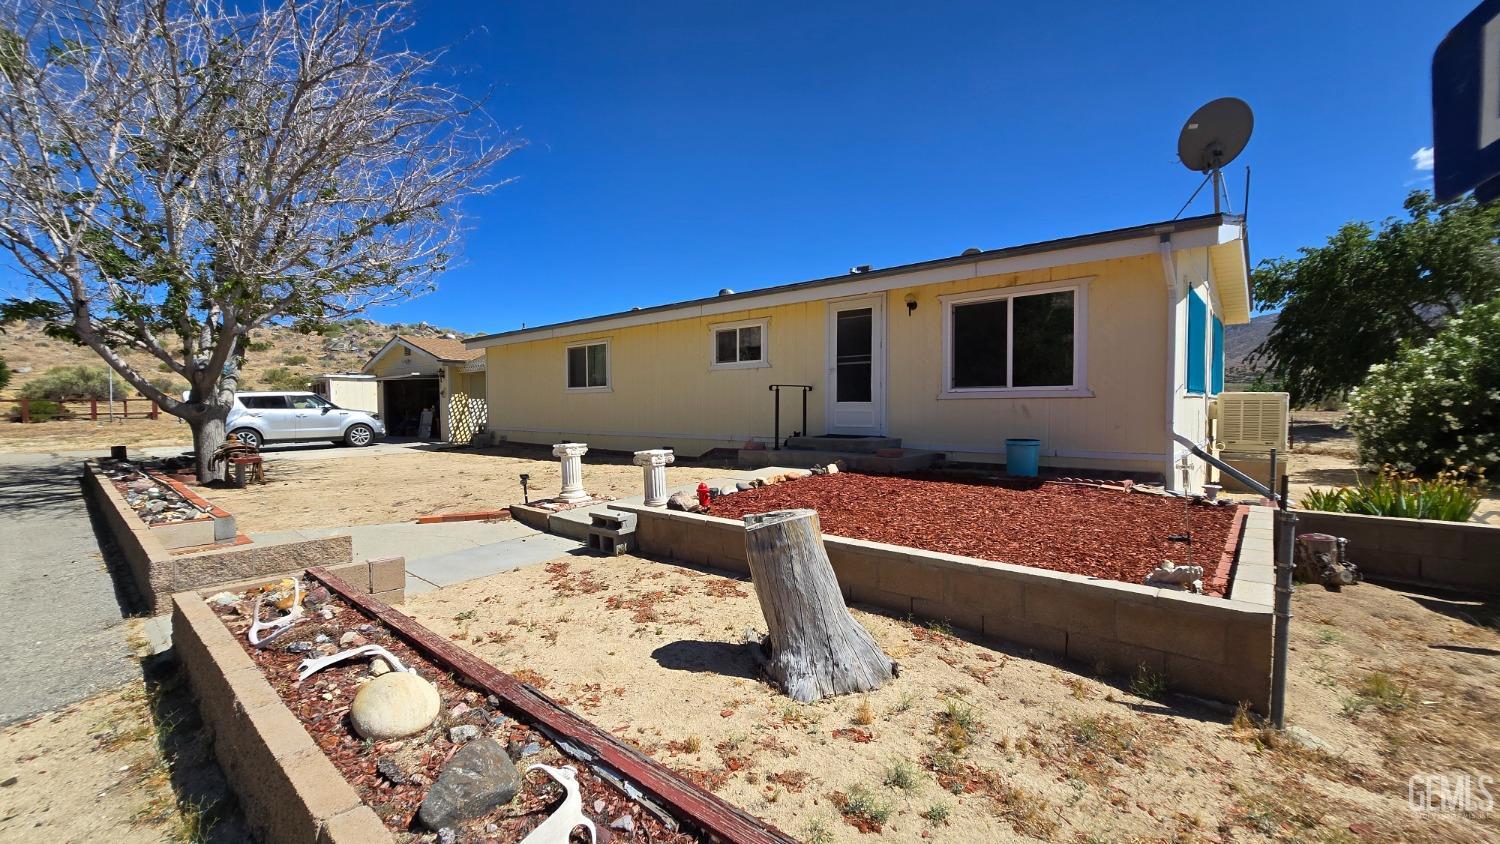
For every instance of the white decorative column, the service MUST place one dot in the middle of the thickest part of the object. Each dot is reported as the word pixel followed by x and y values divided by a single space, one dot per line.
pixel 572 471
pixel 655 462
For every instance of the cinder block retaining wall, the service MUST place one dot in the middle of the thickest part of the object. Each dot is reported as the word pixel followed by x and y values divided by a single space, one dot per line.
pixel 1214 647
pixel 158 573
pixel 1454 555
pixel 288 788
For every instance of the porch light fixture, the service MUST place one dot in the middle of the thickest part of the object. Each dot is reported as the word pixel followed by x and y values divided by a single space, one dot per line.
pixel 911 303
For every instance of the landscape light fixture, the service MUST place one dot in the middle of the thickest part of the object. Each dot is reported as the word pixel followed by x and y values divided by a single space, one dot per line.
pixel 911 303
pixel 525 496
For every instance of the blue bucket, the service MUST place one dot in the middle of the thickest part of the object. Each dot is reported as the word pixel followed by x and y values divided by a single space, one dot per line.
pixel 1021 457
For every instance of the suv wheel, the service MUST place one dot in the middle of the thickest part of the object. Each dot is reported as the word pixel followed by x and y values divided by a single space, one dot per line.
pixel 359 435
pixel 248 436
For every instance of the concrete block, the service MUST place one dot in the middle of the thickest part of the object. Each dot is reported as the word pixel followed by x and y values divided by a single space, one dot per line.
pixel 1219 681
pixel 1074 607
pixel 359 825
pixel 292 806
pixel 853 568
pixel 875 597
pixel 387 573
pixel 1380 562
pixel 987 591
pixel 1254 573
pixel 967 618
pixel 185 534
pixel 356 575
pixel 907 577
pixel 1045 638
pixel 1113 656
pixel 1262 594
pixel 1426 538
pixel 391 597
pixel 1155 625
pixel 1462 574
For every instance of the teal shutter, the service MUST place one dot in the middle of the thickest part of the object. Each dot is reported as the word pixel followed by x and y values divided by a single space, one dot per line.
pixel 1217 383
pixel 1197 336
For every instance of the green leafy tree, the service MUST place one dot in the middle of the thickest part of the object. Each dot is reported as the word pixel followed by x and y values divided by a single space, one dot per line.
pixel 175 174
pixel 69 383
pixel 1354 301
pixel 1436 407
pixel 4 374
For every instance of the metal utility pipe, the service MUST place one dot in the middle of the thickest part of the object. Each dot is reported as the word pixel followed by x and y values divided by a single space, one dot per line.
pixel 1285 543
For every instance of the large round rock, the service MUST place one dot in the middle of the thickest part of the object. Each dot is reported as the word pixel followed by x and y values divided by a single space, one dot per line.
pixel 394 705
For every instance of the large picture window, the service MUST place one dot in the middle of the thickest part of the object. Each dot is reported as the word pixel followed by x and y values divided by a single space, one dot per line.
pixel 1013 343
pixel 740 345
pixel 588 366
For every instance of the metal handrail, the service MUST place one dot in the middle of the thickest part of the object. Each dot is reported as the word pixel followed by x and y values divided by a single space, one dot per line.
pixel 776 389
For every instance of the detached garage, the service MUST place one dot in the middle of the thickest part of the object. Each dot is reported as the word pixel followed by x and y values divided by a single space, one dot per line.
pixel 425 388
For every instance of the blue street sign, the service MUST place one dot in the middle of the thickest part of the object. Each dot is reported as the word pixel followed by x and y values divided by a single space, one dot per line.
pixel 1466 105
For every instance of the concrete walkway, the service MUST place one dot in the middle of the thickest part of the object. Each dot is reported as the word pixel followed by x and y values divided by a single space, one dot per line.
pixel 63 631
pixel 445 553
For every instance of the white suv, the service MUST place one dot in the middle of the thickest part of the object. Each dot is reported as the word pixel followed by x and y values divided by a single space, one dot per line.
pixel 259 418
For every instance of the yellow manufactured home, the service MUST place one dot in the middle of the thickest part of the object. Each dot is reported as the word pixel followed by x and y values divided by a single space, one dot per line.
pixel 1101 346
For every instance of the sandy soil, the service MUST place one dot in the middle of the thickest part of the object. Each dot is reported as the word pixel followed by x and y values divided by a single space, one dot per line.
pixel 384 488
pixel 81 436
pixel 89 767
pixel 653 652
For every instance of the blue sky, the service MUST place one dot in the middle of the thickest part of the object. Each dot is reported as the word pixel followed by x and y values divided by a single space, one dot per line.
pixel 677 148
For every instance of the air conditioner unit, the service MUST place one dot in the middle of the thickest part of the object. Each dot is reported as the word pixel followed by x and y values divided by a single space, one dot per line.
pixel 1253 422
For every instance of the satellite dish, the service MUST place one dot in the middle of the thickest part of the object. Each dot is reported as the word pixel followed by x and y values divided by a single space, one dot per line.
pixel 1215 134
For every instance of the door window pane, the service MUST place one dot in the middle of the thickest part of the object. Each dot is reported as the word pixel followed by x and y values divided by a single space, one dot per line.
pixel 979 344
pixel 1043 355
pixel 577 367
pixel 855 342
pixel 263 402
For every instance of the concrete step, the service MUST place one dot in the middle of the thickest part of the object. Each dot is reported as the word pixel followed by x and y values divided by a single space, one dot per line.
pixel 912 460
pixel 851 445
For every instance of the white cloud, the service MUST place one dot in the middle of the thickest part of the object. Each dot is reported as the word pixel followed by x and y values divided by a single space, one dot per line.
pixel 1422 158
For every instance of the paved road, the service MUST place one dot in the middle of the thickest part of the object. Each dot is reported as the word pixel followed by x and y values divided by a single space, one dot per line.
pixel 62 628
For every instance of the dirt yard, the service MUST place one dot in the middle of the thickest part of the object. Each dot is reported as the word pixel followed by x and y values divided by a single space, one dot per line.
pixel 976 742
pixel 352 489
pixel 75 435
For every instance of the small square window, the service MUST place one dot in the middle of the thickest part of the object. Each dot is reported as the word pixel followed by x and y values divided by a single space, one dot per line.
pixel 588 366
pixel 737 346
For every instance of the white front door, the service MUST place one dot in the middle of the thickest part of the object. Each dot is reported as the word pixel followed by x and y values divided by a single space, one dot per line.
pixel 856 366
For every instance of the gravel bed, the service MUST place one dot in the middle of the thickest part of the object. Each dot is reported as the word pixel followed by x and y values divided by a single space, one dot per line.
pixel 1085 530
pixel 322 702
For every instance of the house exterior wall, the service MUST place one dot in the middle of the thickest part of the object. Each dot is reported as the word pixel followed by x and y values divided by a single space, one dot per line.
pixel 1192 416
pixel 663 393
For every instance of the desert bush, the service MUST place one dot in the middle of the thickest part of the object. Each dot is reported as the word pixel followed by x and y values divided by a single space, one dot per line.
pixel 42 410
pixel 69 382
pixel 1448 497
pixel 332 329
pixel 258 346
pixel 1437 405
pixel 4 374
pixel 281 378
pixel 294 360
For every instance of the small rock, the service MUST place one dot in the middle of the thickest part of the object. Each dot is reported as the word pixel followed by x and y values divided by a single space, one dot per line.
pixel 321 638
pixel 833 468
pixel 491 828
pixel 387 767
pixel 379 666
pixel 298 647
pixel 446 835
pixel 351 640
pixel 743 487
pixel 458 710
pixel 598 806
pixel 317 595
pixel 1310 741
pixel 463 733
pixel 478 778
pixel 224 599
pixel 493 701
pixel 9 781
pixel 624 823
pixel 530 749
pixel 471 697
pixel 499 722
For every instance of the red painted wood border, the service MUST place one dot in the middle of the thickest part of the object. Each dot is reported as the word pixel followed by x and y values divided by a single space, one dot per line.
pixel 695 805
pixel 1218 582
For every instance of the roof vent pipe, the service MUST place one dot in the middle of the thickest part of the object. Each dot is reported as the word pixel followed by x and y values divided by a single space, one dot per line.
pixel 724 291
pixel 973 250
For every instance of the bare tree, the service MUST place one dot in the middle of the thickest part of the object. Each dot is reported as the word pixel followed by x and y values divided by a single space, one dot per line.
pixel 175 174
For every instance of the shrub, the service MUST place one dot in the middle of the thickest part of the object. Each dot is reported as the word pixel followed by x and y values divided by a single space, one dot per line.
pixel 294 360
pixel 42 410
pixel 281 378
pixel 258 346
pixel 1437 405
pixel 70 382
pixel 4 374
pixel 1447 498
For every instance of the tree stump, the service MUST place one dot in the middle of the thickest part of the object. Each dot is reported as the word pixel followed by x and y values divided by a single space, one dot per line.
pixel 817 648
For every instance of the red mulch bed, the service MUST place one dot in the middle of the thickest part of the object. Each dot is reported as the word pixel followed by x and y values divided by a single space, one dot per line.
pixel 322 705
pixel 1084 530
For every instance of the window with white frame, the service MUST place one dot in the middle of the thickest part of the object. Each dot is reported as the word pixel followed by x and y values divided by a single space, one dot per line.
pixel 739 345
pixel 588 366
pixel 1013 342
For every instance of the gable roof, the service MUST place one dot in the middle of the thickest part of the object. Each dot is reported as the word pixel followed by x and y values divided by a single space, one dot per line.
pixel 445 350
pixel 1220 232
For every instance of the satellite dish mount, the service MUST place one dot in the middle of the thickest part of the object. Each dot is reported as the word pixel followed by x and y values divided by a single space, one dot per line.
pixel 1214 136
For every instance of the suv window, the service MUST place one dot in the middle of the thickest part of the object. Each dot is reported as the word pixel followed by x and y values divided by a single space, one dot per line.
pixel 309 402
pixel 263 402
